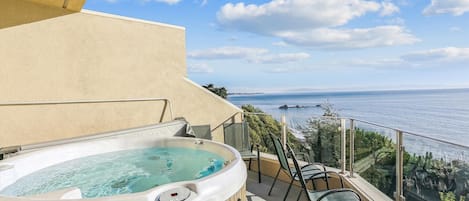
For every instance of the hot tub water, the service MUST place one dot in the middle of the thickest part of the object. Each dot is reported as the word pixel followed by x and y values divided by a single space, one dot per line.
pixel 120 172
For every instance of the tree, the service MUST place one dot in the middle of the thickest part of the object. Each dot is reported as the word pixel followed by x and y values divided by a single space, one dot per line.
pixel 260 126
pixel 323 136
pixel 220 91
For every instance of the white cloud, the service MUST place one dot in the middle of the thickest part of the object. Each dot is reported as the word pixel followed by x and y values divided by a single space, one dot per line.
pixel 350 38
pixel 281 15
pixel 314 23
pixel 432 58
pixel 279 58
pixel 388 8
pixel 170 2
pixel 199 68
pixel 252 55
pixel 454 7
pixel 448 54
pixel 229 52
pixel 375 63
pixel 280 70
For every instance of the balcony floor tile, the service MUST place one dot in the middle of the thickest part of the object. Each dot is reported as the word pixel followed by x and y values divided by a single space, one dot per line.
pixel 258 191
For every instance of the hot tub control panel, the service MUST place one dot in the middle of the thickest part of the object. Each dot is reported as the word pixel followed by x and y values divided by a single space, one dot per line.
pixel 176 194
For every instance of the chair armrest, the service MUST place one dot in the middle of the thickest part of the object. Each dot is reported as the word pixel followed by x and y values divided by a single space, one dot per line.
pixel 326 176
pixel 332 191
pixel 257 147
pixel 316 164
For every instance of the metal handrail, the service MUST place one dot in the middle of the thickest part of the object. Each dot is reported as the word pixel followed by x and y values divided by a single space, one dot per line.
pixel 6 150
pixel 167 103
pixel 410 133
pixel 376 124
pixel 257 113
pixel 398 194
pixel 229 118
pixel 395 129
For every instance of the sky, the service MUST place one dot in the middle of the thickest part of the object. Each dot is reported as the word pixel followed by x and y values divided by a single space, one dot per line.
pixel 315 45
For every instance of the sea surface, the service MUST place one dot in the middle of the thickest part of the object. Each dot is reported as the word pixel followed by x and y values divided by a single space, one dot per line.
pixel 442 114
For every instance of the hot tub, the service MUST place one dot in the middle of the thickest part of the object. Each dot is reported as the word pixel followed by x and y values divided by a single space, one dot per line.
pixel 139 164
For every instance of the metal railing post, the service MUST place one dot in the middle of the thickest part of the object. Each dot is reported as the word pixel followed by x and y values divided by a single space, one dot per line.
pixel 352 146
pixel 399 194
pixel 343 159
pixel 284 130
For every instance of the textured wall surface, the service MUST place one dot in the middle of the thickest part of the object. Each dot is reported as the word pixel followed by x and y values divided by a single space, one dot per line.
pixel 89 56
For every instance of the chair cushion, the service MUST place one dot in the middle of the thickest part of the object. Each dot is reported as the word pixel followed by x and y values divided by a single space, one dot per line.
pixel 336 196
pixel 314 195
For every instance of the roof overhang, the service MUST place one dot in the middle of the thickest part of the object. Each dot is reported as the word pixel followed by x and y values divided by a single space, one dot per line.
pixel 73 5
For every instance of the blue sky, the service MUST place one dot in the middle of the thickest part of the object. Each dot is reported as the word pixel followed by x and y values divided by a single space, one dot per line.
pixel 303 45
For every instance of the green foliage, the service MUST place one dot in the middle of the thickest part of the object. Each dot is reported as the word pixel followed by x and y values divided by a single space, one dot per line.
pixel 322 137
pixel 380 178
pixel 375 156
pixel 372 143
pixel 322 140
pixel 328 110
pixel 220 91
pixel 261 125
pixel 447 196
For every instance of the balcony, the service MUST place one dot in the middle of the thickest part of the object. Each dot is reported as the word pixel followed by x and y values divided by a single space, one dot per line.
pixel 379 162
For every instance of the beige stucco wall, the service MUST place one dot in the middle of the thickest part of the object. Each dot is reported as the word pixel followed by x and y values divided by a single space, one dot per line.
pixel 88 56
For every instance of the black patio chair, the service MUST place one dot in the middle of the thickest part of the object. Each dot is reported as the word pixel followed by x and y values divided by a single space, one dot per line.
pixel 308 170
pixel 341 194
pixel 237 136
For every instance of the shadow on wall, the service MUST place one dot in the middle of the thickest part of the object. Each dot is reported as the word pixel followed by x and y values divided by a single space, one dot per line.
pixel 18 12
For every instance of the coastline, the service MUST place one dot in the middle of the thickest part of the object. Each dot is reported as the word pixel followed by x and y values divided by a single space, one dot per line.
pixel 437 113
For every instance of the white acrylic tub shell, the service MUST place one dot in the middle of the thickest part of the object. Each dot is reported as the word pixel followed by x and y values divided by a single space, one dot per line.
pixel 216 187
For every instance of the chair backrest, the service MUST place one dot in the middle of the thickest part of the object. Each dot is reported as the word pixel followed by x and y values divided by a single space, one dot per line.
pixel 343 194
pixel 281 156
pixel 298 169
pixel 202 131
pixel 335 194
pixel 237 136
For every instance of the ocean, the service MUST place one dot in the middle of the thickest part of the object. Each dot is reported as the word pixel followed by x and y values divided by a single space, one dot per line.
pixel 441 113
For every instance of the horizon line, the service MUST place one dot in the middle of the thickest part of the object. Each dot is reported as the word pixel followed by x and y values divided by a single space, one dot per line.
pixel 299 90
